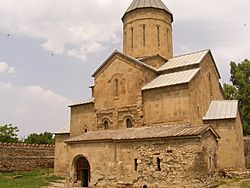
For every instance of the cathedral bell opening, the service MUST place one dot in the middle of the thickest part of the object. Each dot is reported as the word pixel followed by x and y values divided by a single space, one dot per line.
pixel 82 168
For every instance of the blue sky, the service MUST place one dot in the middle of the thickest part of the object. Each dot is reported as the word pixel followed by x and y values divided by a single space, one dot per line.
pixel 50 48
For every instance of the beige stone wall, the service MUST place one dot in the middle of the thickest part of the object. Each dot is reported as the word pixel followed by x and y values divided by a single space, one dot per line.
pixel 183 162
pixel 25 157
pixel 154 61
pixel 247 151
pixel 204 88
pixel 185 104
pixel 231 146
pixel 61 149
pixel 168 105
pixel 149 19
pixel 82 118
pixel 117 104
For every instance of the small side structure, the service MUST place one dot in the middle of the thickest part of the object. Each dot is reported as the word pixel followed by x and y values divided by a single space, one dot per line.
pixel 60 166
pixel 151 156
pixel 224 118
pixel 25 157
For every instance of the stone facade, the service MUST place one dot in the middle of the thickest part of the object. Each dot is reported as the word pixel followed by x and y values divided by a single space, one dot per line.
pixel 61 162
pixel 148 32
pixel 231 146
pixel 25 157
pixel 247 151
pixel 182 163
pixel 146 89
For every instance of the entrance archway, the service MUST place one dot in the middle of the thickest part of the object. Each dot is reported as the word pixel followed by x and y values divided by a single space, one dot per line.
pixel 82 168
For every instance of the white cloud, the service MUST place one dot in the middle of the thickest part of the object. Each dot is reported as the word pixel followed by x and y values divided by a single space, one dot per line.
pixel 220 25
pixel 32 108
pixel 84 50
pixel 5 68
pixel 62 23
pixel 5 86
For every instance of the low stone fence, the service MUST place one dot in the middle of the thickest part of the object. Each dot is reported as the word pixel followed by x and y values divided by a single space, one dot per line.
pixel 24 157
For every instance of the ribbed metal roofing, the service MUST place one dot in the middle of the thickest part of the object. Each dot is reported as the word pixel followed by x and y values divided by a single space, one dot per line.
pixel 172 79
pixel 222 110
pixel 143 133
pixel 147 4
pixel 63 130
pixel 91 100
pixel 184 60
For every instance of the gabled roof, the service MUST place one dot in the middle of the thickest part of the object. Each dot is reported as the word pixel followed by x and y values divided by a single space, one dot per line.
pixel 138 4
pixel 64 130
pixel 226 109
pixel 172 79
pixel 172 131
pixel 184 60
pixel 187 60
pixel 126 56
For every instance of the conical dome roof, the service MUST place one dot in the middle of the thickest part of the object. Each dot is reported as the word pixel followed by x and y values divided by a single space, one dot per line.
pixel 137 4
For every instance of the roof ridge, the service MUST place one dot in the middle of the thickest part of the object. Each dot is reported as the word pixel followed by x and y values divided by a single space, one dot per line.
pixel 191 53
pixel 126 55
pixel 137 60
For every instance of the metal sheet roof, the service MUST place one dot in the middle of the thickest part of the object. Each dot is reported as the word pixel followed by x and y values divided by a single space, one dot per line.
pixel 91 100
pixel 222 110
pixel 143 133
pixel 147 4
pixel 184 60
pixel 172 79
pixel 64 130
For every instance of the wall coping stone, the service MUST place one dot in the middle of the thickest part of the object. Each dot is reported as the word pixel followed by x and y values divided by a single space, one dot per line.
pixel 24 145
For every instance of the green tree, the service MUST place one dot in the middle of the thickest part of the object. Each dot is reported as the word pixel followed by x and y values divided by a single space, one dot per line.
pixel 240 90
pixel 8 133
pixel 230 92
pixel 42 138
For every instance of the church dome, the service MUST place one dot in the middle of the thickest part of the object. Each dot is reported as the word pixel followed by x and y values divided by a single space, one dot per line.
pixel 139 4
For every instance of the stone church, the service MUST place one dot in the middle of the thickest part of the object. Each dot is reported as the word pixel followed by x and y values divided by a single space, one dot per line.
pixel 154 119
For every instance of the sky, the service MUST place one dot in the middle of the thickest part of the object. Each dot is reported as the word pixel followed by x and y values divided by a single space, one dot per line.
pixel 50 48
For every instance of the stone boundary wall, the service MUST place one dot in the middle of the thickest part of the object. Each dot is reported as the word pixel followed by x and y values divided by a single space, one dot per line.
pixel 247 151
pixel 25 157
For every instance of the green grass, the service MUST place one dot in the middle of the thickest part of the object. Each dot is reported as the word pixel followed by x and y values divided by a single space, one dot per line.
pixel 245 184
pixel 242 183
pixel 32 179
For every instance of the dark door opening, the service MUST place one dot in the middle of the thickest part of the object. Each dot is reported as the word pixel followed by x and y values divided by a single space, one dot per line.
pixel 83 171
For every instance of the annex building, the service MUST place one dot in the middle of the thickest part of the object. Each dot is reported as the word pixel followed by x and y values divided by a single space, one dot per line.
pixel 154 119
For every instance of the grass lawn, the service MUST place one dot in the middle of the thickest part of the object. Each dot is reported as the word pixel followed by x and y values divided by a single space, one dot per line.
pixel 32 179
pixel 242 183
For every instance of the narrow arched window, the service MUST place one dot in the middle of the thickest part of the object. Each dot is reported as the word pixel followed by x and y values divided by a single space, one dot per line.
pixel 144 35
pixel 132 37
pixel 158 164
pixel 116 87
pixel 158 35
pixel 106 125
pixel 129 123
pixel 210 85
pixel 136 164
pixel 168 40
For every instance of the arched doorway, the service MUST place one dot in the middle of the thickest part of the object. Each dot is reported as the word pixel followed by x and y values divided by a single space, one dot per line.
pixel 82 171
